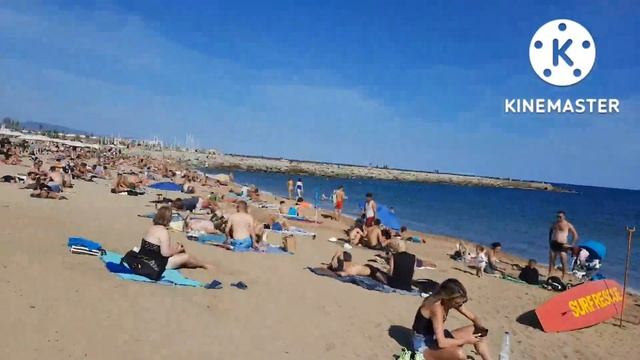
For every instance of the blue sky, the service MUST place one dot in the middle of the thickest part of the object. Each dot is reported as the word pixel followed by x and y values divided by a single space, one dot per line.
pixel 411 84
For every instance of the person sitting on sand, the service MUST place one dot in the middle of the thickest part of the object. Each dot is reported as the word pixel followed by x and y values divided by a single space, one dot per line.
pixel 374 238
pixel 492 267
pixel 530 274
pixel 55 181
pixel 430 337
pixel 240 228
pixel 357 234
pixel 156 245
pixel 278 223
pixel 283 209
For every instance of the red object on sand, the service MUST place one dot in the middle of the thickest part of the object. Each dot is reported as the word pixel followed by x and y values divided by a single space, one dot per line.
pixel 582 306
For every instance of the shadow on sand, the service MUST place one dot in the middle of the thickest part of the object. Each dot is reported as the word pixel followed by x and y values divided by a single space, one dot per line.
pixel 402 335
pixel 530 319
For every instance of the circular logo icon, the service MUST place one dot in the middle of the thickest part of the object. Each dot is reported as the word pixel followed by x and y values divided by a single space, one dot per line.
pixel 562 52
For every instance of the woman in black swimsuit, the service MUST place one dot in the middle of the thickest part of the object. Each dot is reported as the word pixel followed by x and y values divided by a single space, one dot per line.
pixel 429 335
pixel 156 245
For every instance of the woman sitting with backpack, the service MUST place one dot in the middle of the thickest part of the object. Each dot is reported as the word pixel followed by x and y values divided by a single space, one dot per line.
pixel 158 251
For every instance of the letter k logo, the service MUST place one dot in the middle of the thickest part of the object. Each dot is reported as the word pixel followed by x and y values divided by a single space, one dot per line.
pixel 561 52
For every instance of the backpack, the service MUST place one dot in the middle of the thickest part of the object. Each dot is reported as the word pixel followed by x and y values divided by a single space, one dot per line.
pixel 554 283
pixel 141 265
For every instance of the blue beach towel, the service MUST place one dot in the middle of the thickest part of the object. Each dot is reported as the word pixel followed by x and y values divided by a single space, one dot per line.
pixel 218 239
pixel 167 186
pixel 169 277
pixel 362 281
pixel 209 238
pixel 78 241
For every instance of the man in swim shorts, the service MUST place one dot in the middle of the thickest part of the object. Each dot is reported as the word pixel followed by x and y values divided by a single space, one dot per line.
pixel 370 210
pixel 339 202
pixel 559 241
pixel 240 229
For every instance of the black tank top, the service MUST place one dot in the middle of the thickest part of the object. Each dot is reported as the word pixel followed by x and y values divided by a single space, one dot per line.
pixel 423 325
pixel 403 267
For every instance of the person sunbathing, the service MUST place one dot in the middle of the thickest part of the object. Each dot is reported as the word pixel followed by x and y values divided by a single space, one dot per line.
pixel 195 203
pixel 342 264
pixel 47 194
pixel 432 340
pixel 156 245
pixel 215 225
pixel 122 184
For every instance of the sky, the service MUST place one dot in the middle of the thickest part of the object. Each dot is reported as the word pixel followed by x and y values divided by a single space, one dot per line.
pixel 408 84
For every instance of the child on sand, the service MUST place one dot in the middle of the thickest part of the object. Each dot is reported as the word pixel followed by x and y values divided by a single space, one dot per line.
pixel 481 260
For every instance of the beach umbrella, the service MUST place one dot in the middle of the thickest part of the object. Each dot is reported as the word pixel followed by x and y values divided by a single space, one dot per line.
pixel 387 218
pixel 595 248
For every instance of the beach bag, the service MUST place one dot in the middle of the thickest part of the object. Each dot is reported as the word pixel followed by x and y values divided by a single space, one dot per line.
pixel 141 265
pixel 289 244
pixel 554 283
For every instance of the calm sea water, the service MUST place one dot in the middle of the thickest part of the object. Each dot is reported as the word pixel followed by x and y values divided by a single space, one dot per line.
pixel 519 219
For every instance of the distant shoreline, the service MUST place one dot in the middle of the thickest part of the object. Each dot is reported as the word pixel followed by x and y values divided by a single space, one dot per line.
pixel 229 162
pixel 335 170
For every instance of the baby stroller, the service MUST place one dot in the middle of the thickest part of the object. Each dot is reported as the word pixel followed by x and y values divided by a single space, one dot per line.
pixel 588 259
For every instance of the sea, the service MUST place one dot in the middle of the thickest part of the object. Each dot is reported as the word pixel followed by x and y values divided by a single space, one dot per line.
pixel 519 219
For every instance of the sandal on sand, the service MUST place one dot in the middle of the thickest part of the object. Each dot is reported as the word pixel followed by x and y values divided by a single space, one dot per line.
pixel 214 285
pixel 240 285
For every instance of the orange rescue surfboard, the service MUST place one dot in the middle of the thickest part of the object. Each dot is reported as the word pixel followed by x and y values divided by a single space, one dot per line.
pixel 582 306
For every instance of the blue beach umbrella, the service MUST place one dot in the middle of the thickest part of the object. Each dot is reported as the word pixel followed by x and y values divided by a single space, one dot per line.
pixel 387 218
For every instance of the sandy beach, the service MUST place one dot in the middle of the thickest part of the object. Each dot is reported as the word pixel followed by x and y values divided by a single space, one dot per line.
pixel 63 306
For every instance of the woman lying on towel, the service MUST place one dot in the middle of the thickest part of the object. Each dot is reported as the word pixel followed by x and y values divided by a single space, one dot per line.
pixel 157 245
pixel 195 203
pixel 429 334
pixel 215 225
pixel 341 263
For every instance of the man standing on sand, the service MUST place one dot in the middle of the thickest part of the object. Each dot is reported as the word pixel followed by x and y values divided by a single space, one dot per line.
pixel 370 210
pixel 339 202
pixel 290 187
pixel 240 228
pixel 558 241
